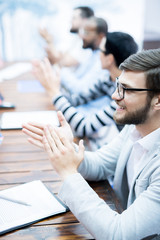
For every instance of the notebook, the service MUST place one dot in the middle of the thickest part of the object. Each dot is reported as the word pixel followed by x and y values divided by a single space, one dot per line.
pixel 40 204
pixel 14 120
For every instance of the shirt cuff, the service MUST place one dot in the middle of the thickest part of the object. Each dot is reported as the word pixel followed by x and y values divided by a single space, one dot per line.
pixel 69 185
pixel 56 97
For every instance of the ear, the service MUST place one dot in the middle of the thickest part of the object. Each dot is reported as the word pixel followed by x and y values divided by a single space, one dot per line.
pixel 156 102
pixel 110 59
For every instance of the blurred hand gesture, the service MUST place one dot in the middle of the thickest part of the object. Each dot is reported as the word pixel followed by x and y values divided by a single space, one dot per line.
pixel 46 35
pixel 48 77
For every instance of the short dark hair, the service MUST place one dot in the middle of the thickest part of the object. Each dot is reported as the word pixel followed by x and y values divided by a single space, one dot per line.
pixel 147 61
pixel 101 24
pixel 121 45
pixel 86 12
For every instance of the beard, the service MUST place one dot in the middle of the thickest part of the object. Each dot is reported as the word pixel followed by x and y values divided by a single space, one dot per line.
pixel 74 30
pixel 88 45
pixel 136 117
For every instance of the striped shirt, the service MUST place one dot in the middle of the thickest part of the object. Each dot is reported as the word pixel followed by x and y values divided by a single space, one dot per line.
pixel 86 126
pixel 99 89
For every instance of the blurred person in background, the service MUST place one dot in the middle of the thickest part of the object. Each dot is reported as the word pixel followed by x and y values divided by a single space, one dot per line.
pixel 75 54
pixel 87 73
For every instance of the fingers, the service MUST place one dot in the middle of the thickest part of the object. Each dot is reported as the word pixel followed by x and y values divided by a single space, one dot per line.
pixel 61 119
pixel 47 147
pixel 81 150
pixel 33 130
pixel 47 64
pixel 49 138
pixel 63 138
pixel 53 139
pixel 57 70
pixel 32 134
pixel 36 142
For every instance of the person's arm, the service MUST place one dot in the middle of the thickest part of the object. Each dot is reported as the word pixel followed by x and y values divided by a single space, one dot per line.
pixel 103 87
pixel 63 59
pixel 51 82
pixel 49 78
pixel 82 125
pixel 53 55
pixel 139 220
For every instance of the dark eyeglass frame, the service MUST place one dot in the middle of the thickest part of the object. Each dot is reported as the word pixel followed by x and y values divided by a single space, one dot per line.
pixel 103 51
pixel 120 85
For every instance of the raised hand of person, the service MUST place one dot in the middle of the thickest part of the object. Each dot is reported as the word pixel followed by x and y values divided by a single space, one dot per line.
pixel 48 77
pixel 46 35
pixel 61 152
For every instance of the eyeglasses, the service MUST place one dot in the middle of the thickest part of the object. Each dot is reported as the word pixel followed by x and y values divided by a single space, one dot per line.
pixel 103 51
pixel 121 89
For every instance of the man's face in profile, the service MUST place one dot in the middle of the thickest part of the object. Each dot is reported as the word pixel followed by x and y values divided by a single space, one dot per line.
pixel 89 35
pixel 76 21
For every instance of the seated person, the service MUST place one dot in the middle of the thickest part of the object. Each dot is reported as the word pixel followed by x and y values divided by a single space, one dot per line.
pixel 99 127
pixel 87 73
pixel 73 55
pixel 133 157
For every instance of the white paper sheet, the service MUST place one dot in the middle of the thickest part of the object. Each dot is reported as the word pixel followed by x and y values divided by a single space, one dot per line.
pixel 42 204
pixel 14 120
pixel 14 70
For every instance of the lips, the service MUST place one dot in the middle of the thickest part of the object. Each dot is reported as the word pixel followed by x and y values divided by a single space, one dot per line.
pixel 120 108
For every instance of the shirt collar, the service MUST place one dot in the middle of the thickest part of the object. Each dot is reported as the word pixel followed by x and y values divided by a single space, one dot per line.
pixel 146 142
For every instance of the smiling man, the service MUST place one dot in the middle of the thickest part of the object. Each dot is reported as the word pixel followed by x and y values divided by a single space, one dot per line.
pixel 133 158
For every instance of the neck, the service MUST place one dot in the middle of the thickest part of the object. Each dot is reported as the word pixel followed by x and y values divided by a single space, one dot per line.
pixel 148 127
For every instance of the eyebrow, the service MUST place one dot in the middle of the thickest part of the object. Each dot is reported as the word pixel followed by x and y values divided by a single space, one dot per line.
pixel 126 85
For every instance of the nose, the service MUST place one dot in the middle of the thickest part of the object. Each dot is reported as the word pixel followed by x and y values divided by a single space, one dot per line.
pixel 115 95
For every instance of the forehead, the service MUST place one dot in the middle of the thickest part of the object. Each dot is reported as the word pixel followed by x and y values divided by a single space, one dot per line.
pixel 76 13
pixel 133 79
pixel 90 25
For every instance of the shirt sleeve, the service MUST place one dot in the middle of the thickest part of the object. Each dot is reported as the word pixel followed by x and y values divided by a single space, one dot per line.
pixel 139 220
pixel 82 125
pixel 101 88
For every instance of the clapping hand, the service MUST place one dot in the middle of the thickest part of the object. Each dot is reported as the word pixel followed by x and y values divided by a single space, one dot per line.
pixel 58 143
pixel 35 131
pixel 48 77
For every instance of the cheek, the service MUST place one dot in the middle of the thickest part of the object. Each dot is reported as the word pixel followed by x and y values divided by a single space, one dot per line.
pixel 130 102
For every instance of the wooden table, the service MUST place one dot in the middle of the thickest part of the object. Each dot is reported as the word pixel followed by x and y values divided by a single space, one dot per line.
pixel 21 162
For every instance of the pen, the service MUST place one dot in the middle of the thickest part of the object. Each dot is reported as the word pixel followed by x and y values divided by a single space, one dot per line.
pixel 14 200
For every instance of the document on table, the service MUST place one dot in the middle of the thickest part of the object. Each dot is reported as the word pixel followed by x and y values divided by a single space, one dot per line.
pixel 41 203
pixel 26 86
pixel 14 120
pixel 14 70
